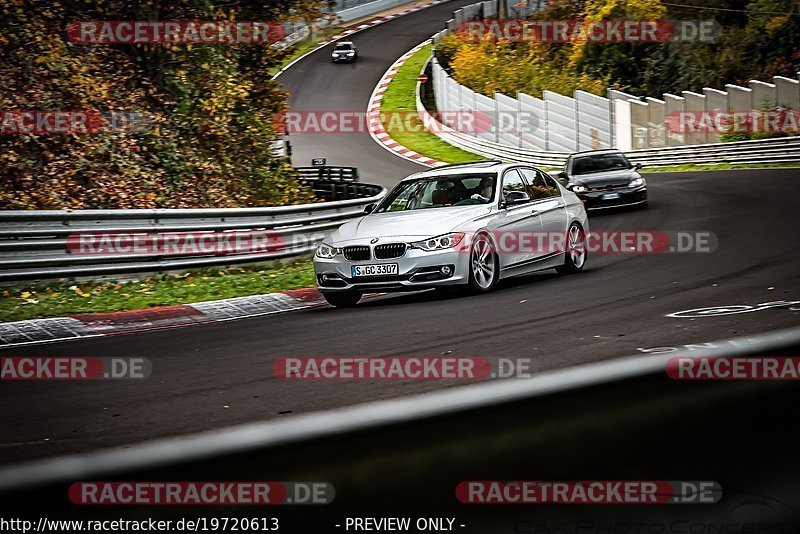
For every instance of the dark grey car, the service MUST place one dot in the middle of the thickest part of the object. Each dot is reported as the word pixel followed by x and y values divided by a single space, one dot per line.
pixel 604 179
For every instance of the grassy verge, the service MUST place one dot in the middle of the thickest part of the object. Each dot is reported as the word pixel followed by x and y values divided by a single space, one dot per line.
pixel 65 299
pixel 719 167
pixel 400 96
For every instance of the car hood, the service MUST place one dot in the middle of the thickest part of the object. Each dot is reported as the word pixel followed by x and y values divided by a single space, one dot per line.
pixel 413 224
pixel 600 179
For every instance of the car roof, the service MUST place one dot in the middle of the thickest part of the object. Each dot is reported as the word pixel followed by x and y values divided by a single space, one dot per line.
pixel 344 43
pixel 596 152
pixel 475 167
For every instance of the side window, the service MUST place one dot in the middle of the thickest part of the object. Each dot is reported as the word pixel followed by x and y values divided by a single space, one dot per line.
pixel 551 185
pixel 541 185
pixel 512 181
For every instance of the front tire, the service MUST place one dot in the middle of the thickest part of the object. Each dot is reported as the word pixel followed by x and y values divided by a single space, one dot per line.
pixel 575 255
pixel 484 266
pixel 342 299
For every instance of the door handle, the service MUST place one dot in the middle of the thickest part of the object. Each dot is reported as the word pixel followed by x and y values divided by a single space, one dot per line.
pixel 535 213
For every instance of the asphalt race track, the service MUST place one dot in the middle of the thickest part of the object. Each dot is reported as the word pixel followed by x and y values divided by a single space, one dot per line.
pixel 213 376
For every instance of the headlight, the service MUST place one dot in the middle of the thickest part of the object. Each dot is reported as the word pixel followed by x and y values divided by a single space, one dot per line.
pixel 636 182
pixel 439 242
pixel 579 189
pixel 326 251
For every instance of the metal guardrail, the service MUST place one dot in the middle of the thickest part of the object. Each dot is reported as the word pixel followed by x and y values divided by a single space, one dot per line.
pixel 35 244
pixel 776 150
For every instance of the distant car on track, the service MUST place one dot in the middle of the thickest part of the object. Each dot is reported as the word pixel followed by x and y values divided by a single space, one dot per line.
pixel 604 179
pixel 344 51
pixel 443 228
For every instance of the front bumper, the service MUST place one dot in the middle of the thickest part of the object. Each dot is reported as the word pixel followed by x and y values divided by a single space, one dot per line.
pixel 345 59
pixel 417 270
pixel 594 200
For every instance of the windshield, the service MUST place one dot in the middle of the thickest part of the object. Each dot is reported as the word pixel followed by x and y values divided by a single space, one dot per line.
pixel 440 191
pixel 599 163
pixel 344 46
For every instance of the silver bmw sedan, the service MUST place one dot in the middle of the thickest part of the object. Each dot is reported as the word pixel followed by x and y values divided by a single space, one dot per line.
pixel 466 225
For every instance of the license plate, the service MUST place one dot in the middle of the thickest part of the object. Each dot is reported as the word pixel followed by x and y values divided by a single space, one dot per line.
pixel 610 196
pixel 375 270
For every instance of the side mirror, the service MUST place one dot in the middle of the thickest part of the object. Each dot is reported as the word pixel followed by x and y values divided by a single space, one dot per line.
pixel 516 197
pixel 369 208
pixel 637 166
pixel 562 177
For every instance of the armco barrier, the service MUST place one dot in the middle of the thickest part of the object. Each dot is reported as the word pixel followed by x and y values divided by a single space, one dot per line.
pixel 615 420
pixel 34 244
